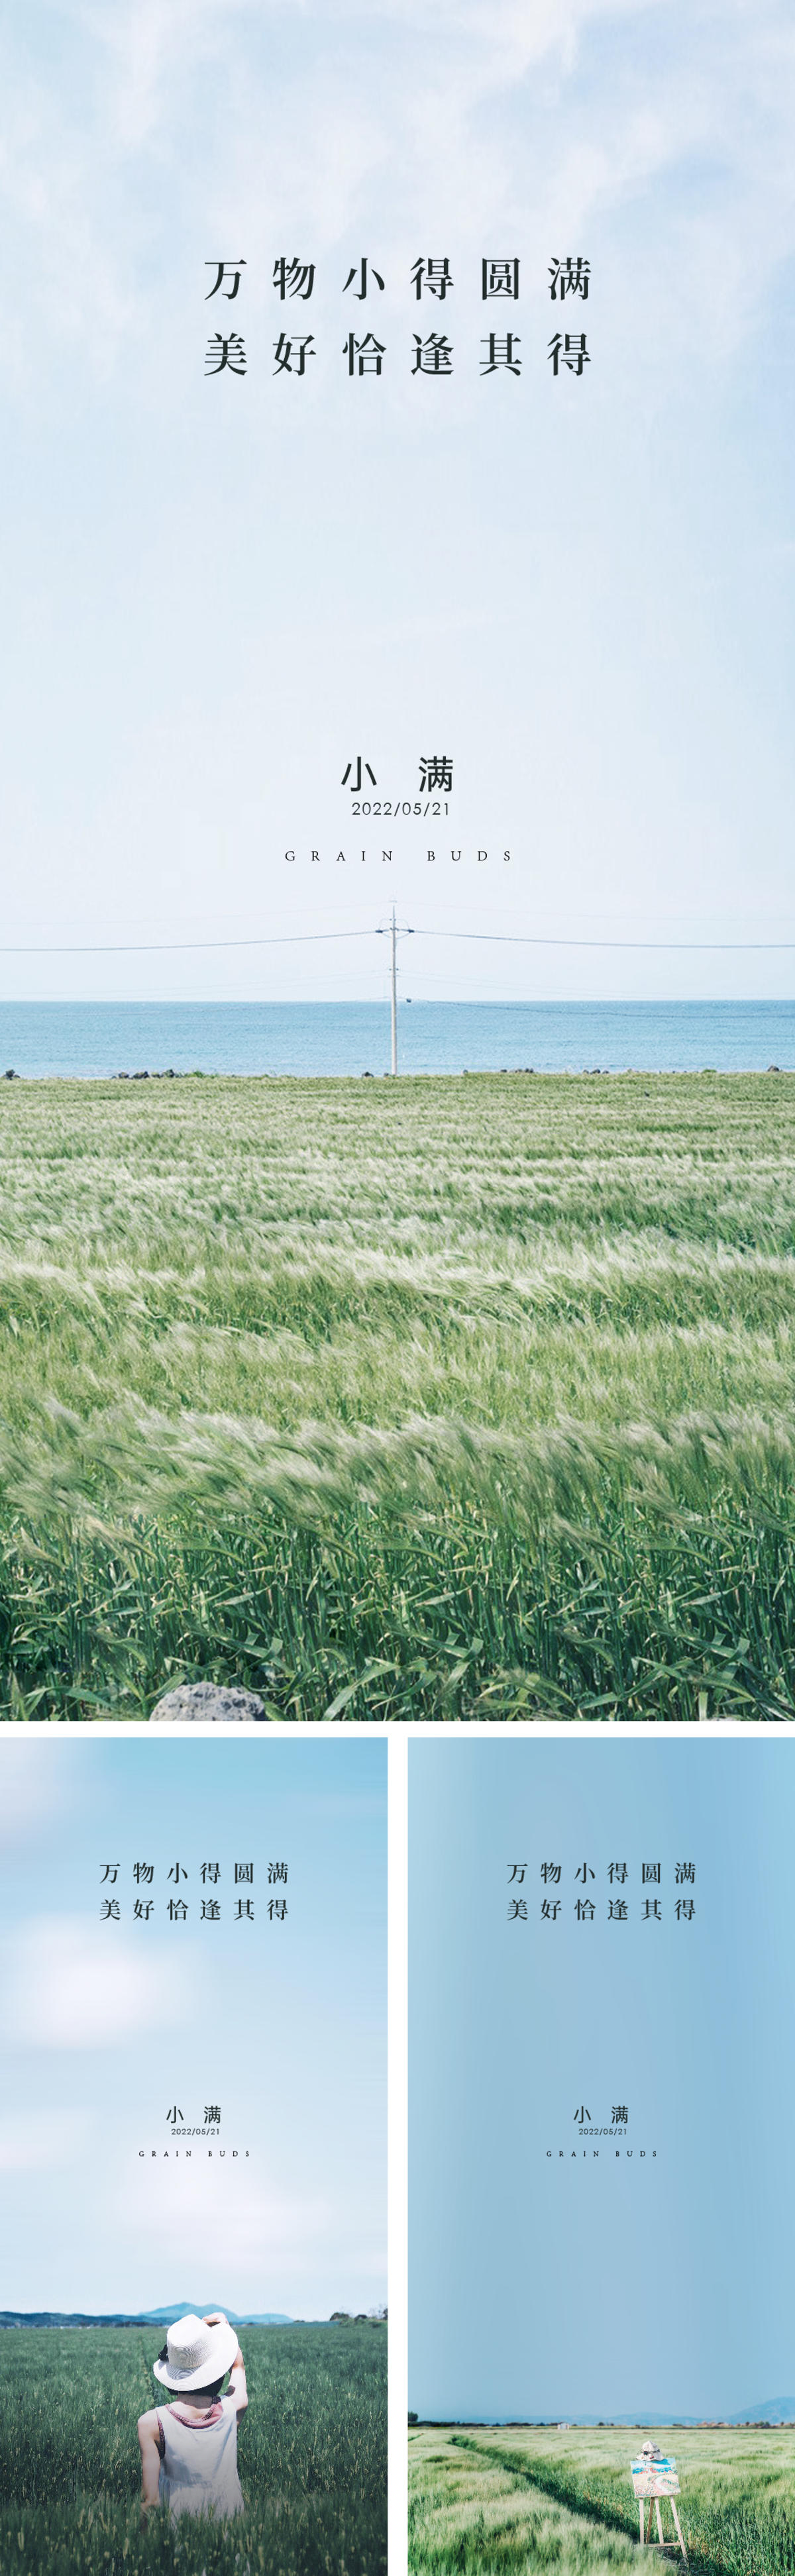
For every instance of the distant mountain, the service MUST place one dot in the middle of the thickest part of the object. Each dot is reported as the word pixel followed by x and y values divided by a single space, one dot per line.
pixel 120 2317
pixel 168 2316
pixel 774 2410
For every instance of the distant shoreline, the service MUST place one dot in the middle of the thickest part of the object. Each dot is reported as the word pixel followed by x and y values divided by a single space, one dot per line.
pixel 286 1042
pixel 465 1073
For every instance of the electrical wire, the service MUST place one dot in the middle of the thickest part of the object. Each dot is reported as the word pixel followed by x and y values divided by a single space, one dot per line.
pixel 501 938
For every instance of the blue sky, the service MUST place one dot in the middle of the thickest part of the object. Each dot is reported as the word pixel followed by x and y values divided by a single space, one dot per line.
pixel 555 2286
pixel 217 592
pixel 109 2025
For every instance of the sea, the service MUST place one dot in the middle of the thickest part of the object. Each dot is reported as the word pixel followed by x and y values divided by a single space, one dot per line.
pixel 84 1039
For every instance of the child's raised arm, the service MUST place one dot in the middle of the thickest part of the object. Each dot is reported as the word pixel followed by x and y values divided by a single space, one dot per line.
pixel 237 2374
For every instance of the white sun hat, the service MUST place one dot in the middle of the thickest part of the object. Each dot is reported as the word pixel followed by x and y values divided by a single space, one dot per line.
pixel 195 2354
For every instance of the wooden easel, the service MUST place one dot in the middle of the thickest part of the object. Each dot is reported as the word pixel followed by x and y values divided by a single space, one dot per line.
pixel 645 2536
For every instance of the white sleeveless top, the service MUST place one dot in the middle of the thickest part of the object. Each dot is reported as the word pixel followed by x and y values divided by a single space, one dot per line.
pixel 199 2472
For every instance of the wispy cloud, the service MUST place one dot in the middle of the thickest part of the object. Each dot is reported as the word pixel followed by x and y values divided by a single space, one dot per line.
pixel 69 1985
pixel 41 2141
pixel 34 1786
pixel 264 2247
pixel 184 2206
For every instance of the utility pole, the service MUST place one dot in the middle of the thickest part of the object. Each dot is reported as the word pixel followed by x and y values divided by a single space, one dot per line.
pixel 394 991
pixel 394 930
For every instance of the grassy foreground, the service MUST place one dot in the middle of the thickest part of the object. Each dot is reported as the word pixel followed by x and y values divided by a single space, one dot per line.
pixel 311 2453
pixel 435 1398
pixel 520 2502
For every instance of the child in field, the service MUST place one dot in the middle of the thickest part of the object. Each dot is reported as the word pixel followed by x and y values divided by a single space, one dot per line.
pixel 189 2448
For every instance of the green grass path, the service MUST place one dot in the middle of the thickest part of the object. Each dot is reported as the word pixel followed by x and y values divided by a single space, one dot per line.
pixel 473 2515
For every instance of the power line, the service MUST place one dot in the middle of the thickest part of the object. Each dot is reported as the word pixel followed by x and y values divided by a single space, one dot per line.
pixel 530 939
pixel 158 947
pixel 500 938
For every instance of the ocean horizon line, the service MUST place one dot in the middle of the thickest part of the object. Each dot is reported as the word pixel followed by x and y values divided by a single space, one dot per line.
pixel 406 1002
pixel 101 1040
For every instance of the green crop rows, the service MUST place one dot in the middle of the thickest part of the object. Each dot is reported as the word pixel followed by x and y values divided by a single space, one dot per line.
pixel 435 1398
pixel 521 2501
pixel 311 2452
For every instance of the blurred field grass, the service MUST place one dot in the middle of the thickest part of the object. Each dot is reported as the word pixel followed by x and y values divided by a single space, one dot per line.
pixel 519 2500
pixel 443 1397
pixel 311 2453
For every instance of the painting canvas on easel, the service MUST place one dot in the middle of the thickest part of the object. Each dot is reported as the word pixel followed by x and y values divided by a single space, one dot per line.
pixel 654 2476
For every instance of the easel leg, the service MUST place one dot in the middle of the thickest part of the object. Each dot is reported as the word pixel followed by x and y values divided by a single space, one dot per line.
pixel 679 2531
pixel 659 2522
pixel 642 2511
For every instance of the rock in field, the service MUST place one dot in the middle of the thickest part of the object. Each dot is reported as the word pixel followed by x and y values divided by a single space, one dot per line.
pixel 211 1702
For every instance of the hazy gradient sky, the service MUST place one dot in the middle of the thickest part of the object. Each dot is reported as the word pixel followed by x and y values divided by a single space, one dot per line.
pixel 553 2286
pixel 107 2026
pixel 218 591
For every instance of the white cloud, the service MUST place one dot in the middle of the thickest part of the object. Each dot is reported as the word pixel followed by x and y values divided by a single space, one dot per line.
pixel 34 1787
pixel 70 1982
pixel 151 46
pixel 39 2141
pixel 236 2235
pixel 185 2207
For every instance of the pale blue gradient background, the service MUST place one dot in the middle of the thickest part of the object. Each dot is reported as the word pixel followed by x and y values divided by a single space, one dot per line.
pixel 216 592
pixel 104 2025
pixel 557 2289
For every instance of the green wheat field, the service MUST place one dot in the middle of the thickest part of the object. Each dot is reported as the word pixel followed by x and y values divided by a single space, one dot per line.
pixel 525 2502
pixel 311 2454
pixel 441 1398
